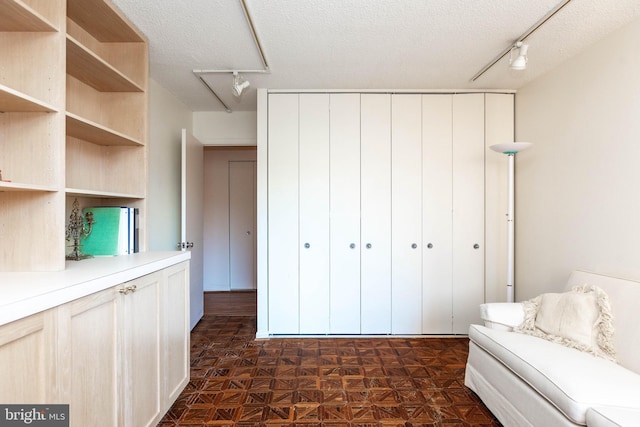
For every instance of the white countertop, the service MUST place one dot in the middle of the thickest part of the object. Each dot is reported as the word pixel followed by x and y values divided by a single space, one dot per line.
pixel 24 294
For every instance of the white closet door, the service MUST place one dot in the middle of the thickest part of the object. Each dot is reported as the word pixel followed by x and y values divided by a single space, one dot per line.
pixel 314 213
pixel 468 210
pixel 436 214
pixel 406 214
pixel 375 222
pixel 345 213
pixel 283 213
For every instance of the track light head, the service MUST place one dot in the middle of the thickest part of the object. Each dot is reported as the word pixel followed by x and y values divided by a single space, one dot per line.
pixel 239 84
pixel 521 59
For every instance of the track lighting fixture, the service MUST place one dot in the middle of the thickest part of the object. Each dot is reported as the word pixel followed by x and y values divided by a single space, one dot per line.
pixel 239 84
pixel 520 61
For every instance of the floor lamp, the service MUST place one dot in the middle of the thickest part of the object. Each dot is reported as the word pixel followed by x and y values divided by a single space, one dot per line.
pixel 510 149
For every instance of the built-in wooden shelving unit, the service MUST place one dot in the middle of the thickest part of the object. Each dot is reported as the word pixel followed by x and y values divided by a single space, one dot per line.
pixel 95 133
pixel 73 93
pixel 15 15
pixel 12 101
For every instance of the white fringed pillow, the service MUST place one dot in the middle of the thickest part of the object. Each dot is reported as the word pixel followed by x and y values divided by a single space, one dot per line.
pixel 580 319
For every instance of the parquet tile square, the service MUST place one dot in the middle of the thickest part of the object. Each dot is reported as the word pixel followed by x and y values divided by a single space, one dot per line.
pixel 307 382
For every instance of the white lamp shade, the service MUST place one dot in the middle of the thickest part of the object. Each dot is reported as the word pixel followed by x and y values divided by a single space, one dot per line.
pixel 511 147
pixel 237 87
pixel 520 63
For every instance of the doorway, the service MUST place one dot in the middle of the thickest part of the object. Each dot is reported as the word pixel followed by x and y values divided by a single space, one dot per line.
pixel 242 225
pixel 229 219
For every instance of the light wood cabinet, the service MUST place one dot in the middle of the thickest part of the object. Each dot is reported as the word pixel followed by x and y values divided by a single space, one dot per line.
pixel 118 357
pixel 91 362
pixel 74 122
pixel 142 344
pixel 176 333
pixel 28 359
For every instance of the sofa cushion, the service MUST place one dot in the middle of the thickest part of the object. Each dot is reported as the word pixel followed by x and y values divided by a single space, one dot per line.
pixel 571 380
pixel 579 319
pixel 612 417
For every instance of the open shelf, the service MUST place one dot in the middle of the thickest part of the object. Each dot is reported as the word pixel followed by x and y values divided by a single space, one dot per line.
pixel 78 192
pixel 17 16
pixel 89 131
pixel 89 68
pixel 14 186
pixel 102 21
pixel 12 101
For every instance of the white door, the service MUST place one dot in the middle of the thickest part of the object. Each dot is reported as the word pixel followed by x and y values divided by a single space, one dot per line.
pixel 314 213
pixel 345 213
pixel 191 218
pixel 468 210
pixel 406 214
pixel 242 225
pixel 375 206
pixel 436 214
pixel 282 211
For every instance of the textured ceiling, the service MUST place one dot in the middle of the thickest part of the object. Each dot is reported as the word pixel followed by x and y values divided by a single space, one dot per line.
pixel 360 44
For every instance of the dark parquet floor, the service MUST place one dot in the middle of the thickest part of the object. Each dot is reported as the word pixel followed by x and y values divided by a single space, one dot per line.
pixel 239 381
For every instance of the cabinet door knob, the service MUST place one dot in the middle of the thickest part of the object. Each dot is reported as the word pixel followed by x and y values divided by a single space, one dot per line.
pixel 476 246
pixel 369 245
pixel 352 246
pixel 307 245
pixel 430 245
pixel 414 245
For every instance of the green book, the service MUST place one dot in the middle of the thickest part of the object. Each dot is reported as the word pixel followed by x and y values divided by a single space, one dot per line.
pixel 110 233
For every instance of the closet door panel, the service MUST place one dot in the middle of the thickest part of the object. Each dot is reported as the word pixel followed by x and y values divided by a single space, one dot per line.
pixel 468 210
pixel 314 213
pixel 406 214
pixel 345 213
pixel 375 206
pixel 283 213
pixel 436 216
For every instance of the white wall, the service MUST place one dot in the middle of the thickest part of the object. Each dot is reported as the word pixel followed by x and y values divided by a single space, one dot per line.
pixel 167 116
pixel 222 128
pixel 578 204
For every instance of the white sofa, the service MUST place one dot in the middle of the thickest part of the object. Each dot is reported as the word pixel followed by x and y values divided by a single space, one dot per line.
pixel 530 381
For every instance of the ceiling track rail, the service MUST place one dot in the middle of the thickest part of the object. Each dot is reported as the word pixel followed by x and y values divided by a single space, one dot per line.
pixel 256 40
pixel 213 92
pixel 522 38
pixel 263 59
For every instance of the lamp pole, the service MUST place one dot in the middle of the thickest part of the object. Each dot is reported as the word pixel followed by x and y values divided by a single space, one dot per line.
pixel 510 149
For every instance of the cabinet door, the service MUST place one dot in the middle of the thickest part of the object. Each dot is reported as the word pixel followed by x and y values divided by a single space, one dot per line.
pixel 468 210
pixel 176 332
pixel 406 214
pixel 91 359
pixel 314 213
pixel 345 213
pixel 27 360
pixel 143 350
pixel 375 207
pixel 283 214
pixel 436 215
